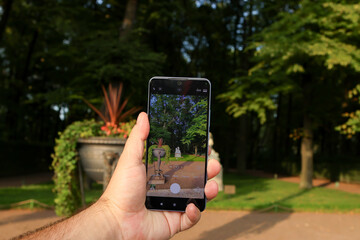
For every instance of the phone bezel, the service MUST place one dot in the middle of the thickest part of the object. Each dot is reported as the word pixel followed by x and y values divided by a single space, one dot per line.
pixel 174 203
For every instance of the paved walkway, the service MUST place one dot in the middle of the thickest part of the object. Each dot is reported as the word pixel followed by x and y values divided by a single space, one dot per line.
pixel 222 225
pixel 216 224
pixel 280 226
pixel 14 222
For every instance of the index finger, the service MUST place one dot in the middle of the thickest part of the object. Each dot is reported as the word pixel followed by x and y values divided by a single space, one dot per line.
pixel 213 168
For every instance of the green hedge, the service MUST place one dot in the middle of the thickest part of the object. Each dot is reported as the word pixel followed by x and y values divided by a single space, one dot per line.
pixel 65 159
pixel 167 153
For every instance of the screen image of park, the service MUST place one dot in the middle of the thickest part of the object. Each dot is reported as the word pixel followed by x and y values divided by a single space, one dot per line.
pixel 177 145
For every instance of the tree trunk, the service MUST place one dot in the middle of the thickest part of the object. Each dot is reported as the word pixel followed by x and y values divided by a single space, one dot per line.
pixel 254 139
pixel 235 31
pixel 287 128
pixel 276 142
pixel 307 155
pixel 5 16
pixel 251 22
pixel 28 56
pixel 129 18
pixel 241 146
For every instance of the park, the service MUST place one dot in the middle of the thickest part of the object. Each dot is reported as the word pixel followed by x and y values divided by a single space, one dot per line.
pixel 285 111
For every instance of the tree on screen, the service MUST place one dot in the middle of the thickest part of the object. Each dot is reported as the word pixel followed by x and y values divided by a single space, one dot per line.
pixel 196 134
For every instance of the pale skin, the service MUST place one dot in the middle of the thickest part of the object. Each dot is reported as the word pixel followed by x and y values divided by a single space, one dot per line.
pixel 120 213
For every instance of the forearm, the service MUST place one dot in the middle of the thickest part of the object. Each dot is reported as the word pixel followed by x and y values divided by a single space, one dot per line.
pixel 94 222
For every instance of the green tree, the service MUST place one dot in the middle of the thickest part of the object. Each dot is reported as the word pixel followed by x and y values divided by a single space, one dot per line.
pixel 163 114
pixel 308 51
pixel 352 125
pixel 196 133
pixel 54 52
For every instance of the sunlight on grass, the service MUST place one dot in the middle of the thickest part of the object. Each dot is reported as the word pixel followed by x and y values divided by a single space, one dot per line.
pixel 254 193
pixel 190 158
pixel 40 192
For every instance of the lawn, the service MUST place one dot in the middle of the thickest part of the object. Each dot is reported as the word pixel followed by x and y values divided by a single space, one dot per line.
pixel 188 157
pixel 252 193
pixel 184 158
pixel 40 192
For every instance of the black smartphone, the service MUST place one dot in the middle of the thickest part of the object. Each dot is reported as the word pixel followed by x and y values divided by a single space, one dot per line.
pixel 177 145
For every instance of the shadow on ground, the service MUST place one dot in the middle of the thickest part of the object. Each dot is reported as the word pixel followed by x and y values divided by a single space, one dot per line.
pixel 254 222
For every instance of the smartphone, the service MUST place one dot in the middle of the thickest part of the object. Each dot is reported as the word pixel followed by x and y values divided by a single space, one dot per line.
pixel 177 145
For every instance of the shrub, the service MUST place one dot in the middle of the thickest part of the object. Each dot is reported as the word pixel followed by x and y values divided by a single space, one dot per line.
pixel 65 159
pixel 167 155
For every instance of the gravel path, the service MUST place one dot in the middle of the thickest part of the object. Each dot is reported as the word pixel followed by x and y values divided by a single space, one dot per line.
pixel 222 225
pixel 216 224
pixel 280 226
pixel 14 222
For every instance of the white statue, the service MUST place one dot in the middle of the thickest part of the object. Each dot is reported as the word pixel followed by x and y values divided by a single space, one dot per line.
pixel 177 152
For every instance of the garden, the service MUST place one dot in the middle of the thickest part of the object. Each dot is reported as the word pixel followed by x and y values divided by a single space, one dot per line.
pixel 252 193
pixel 285 97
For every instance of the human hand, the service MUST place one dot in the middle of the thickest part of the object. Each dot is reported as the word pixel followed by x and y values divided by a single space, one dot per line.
pixel 124 199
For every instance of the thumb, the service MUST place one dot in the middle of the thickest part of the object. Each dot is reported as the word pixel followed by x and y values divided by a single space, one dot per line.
pixel 134 147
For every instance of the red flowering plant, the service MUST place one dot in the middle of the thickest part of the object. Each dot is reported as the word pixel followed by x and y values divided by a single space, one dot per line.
pixel 114 115
pixel 160 142
pixel 65 156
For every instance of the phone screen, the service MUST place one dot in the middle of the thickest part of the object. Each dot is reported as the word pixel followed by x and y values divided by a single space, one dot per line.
pixel 177 145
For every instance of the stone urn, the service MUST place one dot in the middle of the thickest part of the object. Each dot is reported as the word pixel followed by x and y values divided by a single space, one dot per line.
pixel 94 151
pixel 159 153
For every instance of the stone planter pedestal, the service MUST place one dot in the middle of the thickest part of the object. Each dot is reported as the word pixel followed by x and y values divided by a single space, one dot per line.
pixel 99 155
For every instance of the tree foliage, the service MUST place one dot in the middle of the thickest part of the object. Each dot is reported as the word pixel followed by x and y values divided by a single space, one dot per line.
pixel 284 60
pixel 317 39
pixel 179 120
pixel 196 133
pixel 312 51
pixel 352 125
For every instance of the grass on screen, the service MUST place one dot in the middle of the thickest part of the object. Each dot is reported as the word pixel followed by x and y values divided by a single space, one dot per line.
pixel 188 158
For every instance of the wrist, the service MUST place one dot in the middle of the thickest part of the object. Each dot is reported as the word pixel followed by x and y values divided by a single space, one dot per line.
pixel 124 224
pixel 95 222
pixel 105 219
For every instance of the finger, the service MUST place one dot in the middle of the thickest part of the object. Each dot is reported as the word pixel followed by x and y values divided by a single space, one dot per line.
pixel 213 168
pixel 211 189
pixel 134 147
pixel 190 217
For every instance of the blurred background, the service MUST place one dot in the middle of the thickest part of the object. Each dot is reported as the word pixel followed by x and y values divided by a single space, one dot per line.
pixel 284 75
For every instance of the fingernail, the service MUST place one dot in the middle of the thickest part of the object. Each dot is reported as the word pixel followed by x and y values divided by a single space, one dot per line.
pixel 140 119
